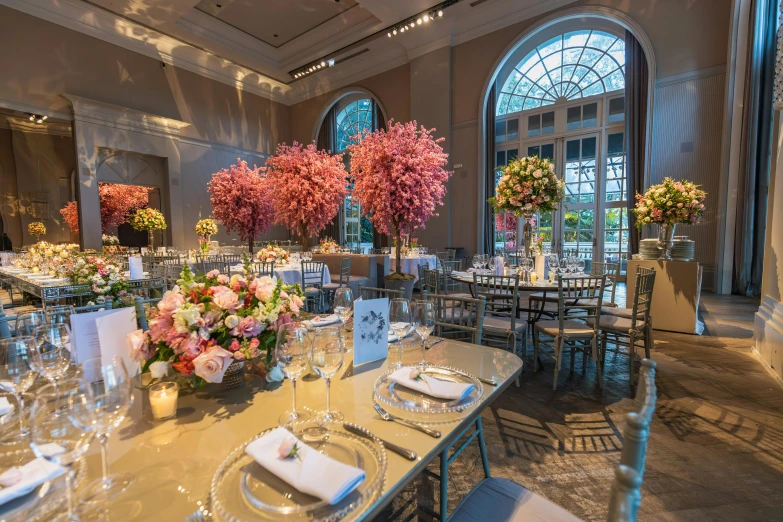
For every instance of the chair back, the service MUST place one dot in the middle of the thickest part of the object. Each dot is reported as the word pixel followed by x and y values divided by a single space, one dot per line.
pixel 580 296
pixel 369 292
pixel 642 297
pixel 345 270
pixel 61 313
pixel 626 495
pixel 376 251
pixel 205 266
pixel 141 311
pixel 263 268
pixel 312 274
pixel 459 318
pixel 501 293
pixel 610 270
pixel 232 259
pixel 430 280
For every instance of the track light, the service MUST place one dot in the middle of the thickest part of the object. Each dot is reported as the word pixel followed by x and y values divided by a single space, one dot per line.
pixel 395 31
pixel 426 18
pixel 418 21
pixel 388 34
pixel 440 13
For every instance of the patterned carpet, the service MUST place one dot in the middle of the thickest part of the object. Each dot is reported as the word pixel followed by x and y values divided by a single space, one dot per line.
pixel 715 453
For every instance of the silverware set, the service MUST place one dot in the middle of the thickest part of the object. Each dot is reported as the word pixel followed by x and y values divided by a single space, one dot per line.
pixel 363 432
pixel 389 417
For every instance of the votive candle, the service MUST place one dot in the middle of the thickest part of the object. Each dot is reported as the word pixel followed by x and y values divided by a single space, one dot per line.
pixel 163 399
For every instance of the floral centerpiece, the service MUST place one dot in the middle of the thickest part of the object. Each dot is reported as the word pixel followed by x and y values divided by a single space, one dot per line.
pixel 104 276
pixel 668 204
pixel 329 245
pixel 205 228
pixel 36 229
pixel 117 203
pixel 528 185
pixel 273 254
pixel 149 220
pixel 399 180
pixel 206 323
pixel 108 240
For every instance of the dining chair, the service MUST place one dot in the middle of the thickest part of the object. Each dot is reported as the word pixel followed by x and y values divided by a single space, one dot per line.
pixel 342 280
pixel 369 292
pixel 503 500
pixel 625 327
pixel 502 326
pixel 97 307
pixel 205 267
pixel 459 318
pixel 576 326
pixel 263 268
pixel 612 273
pixel 312 283
pixel 430 280
pixel 452 286
pixel 232 259
pixel 142 305
pixel 376 251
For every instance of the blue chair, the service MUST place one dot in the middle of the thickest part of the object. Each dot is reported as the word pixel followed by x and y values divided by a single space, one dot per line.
pixel 141 312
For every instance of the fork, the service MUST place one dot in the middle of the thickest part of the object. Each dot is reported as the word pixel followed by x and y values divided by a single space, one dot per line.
pixel 385 415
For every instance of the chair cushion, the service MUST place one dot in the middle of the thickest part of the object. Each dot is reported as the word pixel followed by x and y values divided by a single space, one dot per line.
pixel 312 290
pixel 571 329
pixel 461 295
pixel 618 312
pixel 494 324
pixel 501 500
pixel 551 297
pixel 331 286
pixel 613 323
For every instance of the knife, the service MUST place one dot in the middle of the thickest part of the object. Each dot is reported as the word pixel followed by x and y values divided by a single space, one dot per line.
pixel 363 432
pixel 433 343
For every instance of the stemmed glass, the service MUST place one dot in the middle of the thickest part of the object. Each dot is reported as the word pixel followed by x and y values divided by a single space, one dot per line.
pixel 580 266
pixel 564 265
pixel 112 396
pixel 424 323
pixel 343 304
pixel 476 261
pixel 29 321
pixel 18 370
pixel 326 356
pixel 59 421
pixel 553 264
pixel 52 342
pixel 572 263
pixel 291 353
pixel 400 322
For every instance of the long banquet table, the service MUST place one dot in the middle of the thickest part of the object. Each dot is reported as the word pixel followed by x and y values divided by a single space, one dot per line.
pixel 174 461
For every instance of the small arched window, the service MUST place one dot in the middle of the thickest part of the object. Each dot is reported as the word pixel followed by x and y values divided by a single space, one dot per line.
pixel 569 66
pixel 355 118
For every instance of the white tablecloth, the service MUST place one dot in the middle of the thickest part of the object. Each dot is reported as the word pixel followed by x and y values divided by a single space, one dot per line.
pixel 290 274
pixel 410 265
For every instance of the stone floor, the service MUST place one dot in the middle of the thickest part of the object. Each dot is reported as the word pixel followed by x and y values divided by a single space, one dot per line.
pixel 716 449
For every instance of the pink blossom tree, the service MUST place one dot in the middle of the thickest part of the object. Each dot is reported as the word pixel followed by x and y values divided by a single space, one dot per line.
pixel 399 178
pixel 308 186
pixel 118 202
pixel 241 199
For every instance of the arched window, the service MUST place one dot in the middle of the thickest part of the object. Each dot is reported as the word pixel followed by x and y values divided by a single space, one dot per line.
pixel 353 119
pixel 569 66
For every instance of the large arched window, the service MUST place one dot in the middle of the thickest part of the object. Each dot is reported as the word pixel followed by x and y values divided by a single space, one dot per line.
pixel 569 66
pixel 353 119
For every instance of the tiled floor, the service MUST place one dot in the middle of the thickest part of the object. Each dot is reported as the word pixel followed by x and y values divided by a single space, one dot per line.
pixel 716 449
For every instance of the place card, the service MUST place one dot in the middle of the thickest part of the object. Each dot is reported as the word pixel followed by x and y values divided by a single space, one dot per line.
pixel 104 334
pixel 136 267
pixel 370 330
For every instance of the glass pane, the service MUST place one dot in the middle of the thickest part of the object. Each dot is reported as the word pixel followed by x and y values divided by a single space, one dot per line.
pixel 615 143
pixel 615 168
pixel 511 154
pixel 548 123
pixel 616 234
pixel 590 115
pixel 588 148
pixel 534 125
pixel 548 151
pixel 572 150
pixel 534 151
pixel 500 158
pixel 617 109
pixel 573 118
pixel 512 129
pixel 500 131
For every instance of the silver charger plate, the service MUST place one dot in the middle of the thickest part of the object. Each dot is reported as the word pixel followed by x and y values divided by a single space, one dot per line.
pixel 243 490
pixel 422 408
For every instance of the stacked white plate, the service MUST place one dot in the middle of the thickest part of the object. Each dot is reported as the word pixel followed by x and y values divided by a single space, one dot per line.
pixel 683 249
pixel 648 249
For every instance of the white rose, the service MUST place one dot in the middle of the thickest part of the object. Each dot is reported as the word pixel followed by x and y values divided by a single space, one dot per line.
pixel 159 369
pixel 232 321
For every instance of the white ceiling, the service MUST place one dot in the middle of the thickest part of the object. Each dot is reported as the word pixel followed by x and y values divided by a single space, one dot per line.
pixel 189 33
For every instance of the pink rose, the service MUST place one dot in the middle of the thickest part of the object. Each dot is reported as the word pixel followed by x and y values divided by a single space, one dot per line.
pixel 223 279
pixel 171 301
pixel 139 345
pixel 226 299
pixel 213 274
pixel 264 288
pixel 211 365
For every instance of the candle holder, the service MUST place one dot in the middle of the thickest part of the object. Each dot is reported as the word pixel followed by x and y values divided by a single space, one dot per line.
pixel 163 399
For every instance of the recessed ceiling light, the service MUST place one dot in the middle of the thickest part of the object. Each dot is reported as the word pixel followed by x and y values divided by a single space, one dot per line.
pixel 418 21
pixel 394 32
pixel 388 34
pixel 426 18
pixel 440 13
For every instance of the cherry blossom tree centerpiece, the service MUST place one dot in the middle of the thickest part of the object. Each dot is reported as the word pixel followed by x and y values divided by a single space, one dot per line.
pixel 241 199
pixel 117 203
pixel 308 186
pixel 399 180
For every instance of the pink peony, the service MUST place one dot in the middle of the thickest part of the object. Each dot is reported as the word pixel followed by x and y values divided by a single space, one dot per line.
pixel 170 302
pixel 139 345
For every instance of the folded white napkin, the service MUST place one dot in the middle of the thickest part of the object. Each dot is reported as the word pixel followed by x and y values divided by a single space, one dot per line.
pixel 26 478
pixel 430 385
pixel 322 321
pixel 312 472
pixel 5 406
pixel 393 336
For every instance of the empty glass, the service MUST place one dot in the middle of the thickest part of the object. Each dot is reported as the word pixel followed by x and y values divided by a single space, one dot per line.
pixel 343 304
pixel 18 370
pixel 291 353
pixel 400 322
pixel 29 321
pixel 580 266
pixel 476 261
pixel 326 356
pixel 112 396
pixel 554 265
pixel 52 342
pixel 59 419
pixel 424 323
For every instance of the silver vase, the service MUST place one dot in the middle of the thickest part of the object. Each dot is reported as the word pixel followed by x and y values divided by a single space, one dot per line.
pixel 527 232
pixel 666 240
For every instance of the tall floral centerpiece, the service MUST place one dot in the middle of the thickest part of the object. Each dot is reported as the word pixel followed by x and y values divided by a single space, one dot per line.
pixel 206 323
pixel 149 220
pixel 308 187
pixel 273 254
pixel 205 228
pixel 329 245
pixel 36 229
pixel 117 202
pixel 668 204
pixel 528 185
pixel 399 180
pixel 241 200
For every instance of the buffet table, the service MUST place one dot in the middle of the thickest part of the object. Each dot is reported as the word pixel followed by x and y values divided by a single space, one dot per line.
pixel 174 461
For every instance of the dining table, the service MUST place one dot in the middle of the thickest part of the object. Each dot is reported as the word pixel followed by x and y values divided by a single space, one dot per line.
pixel 173 462
pixel 289 273
pixel 410 264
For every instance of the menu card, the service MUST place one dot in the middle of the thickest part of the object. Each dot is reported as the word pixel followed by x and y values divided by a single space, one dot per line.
pixel 104 334
pixel 370 330
pixel 136 267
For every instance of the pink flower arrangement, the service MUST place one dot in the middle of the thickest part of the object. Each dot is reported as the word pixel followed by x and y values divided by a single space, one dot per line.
pixel 309 185
pixel 241 199
pixel 399 178
pixel 273 254
pixel 205 323
pixel 670 202
pixel 528 185
pixel 118 202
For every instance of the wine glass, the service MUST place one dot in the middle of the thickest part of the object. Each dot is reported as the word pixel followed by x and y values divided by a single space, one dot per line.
pixel 564 265
pixel 343 304
pixel 57 430
pixel 580 266
pixel 553 264
pixel 112 396
pixel 424 323
pixel 572 263
pixel 400 322
pixel 29 321
pixel 326 356
pixel 291 353
pixel 18 370
pixel 52 342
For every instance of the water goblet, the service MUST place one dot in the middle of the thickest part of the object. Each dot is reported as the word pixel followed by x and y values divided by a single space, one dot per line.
pixel 564 265
pixel 476 261
pixel 18 370
pixel 291 356
pixel 112 396
pixel 553 264
pixel 327 355
pixel 424 324
pixel 400 322
pixel 343 304
pixel 580 266
pixel 52 342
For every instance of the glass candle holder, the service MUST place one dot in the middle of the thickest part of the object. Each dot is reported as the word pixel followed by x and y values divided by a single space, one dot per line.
pixel 163 399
